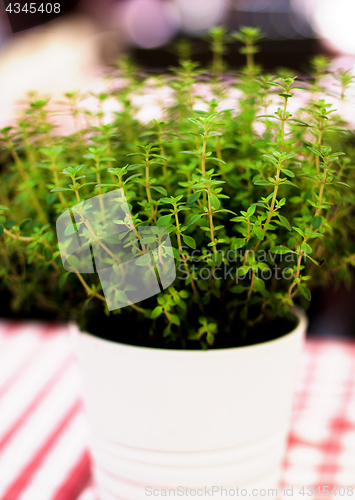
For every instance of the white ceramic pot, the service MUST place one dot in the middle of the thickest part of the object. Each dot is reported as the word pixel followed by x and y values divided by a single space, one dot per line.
pixel 195 420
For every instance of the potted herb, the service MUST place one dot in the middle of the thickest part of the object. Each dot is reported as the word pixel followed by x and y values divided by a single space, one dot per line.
pixel 192 386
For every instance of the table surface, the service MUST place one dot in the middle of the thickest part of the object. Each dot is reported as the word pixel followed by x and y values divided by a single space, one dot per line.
pixel 43 433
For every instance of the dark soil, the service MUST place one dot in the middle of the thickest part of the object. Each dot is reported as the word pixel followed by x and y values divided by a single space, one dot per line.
pixel 128 329
pixel 121 328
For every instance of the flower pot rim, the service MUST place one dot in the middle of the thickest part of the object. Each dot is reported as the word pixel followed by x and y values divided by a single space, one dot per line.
pixel 301 326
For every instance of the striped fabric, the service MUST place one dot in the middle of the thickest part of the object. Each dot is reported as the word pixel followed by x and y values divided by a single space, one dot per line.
pixel 43 434
pixel 321 449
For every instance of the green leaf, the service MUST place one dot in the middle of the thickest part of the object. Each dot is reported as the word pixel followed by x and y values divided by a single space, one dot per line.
pixel 281 250
pixel 51 198
pixel 193 219
pixel 174 319
pixel 70 230
pixel 271 158
pixel 58 190
pixel 261 182
pixel 2 207
pixel 215 159
pixel 314 151
pixel 210 338
pixel 243 270
pixel 290 183
pixel 251 210
pixel 47 254
pixel 9 224
pixel 189 241
pixel 148 240
pixel 299 122
pixel 194 197
pixel 165 219
pixel 144 260
pixel 289 173
pixel 341 183
pixel 259 232
pixel 195 122
pixel 284 222
pixel 160 190
pixel 189 153
pixel 259 285
pixel 176 253
pixel 25 224
pixel 237 289
pixel 312 260
pixel 120 296
pixel 156 312
pixel 316 222
pixel 217 259
pixel 63 279
pixel 299 231
pixel 305 292
pixel 1 230
pixel 214 201
pixel 306 195
pixel 160 156
pixel 238 243
pixel 306 248
pixel 313 234
pixel 135 166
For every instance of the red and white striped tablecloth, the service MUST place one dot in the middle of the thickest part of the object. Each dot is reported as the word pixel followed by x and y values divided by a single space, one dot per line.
pixel 43 433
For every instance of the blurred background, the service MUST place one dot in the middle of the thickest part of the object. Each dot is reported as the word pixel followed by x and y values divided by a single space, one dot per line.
pixel 73 51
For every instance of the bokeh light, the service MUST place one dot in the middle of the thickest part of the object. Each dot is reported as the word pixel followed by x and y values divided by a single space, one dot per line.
pixel 149 23
pixel 198 15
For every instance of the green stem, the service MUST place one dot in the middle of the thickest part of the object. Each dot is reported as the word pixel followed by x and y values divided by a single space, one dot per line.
pixel 321 191
pixel 319 144
pixel 250 59
pixel 147 187
pixel 298 270
pixel 98 180
pixel 203 163
pixel 272 206
pixel 217 65
pixel 76 190
pixel 251 285
pixel 183 255
pixel 25 175
pixel 56 182
pixel 210 213
pixel 283 120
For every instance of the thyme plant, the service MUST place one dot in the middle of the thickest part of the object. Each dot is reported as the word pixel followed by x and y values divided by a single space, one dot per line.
pixel 258 203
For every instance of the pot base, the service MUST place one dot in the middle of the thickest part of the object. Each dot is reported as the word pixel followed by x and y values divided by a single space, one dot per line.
pixel 163 418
